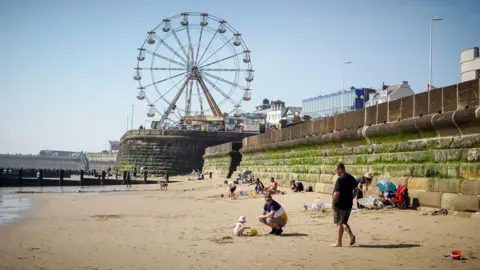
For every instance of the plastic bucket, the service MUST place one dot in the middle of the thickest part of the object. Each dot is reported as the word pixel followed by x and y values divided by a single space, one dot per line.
pixel 456 254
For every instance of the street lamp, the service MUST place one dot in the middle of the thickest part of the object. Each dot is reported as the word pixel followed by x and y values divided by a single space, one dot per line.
pixel 431 27
pixel 343 85
pixel 131 120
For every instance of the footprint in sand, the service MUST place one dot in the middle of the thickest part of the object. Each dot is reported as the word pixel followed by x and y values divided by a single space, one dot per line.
pixel 106 217
pixel 223 240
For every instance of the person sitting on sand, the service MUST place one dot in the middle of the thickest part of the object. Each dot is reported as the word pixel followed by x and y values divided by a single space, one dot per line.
pixel 231 188
pixel 245 175
pixel 367 180
pixel 240 226
pixel 296 186
pixel 259 187
pixel 273 186
pixel 273 215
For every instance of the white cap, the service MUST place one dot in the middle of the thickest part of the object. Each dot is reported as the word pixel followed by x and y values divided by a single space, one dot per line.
pixel 242 219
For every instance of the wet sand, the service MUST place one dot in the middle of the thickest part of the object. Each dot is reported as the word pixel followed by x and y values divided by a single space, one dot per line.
pixel 190 227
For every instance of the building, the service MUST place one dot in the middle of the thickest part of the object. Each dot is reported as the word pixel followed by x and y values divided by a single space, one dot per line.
pixel 114 146
pixel 277 112
pixel 331 104
pixel 469 64
pixel 389 93
pixel 291 113
pixel 274 111
pixel 267 105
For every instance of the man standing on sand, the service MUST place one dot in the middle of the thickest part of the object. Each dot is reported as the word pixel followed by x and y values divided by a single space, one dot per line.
pixel 343 193
pixel 273 215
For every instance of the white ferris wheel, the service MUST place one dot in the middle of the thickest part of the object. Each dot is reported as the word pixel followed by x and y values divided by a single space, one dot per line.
pixel 193 64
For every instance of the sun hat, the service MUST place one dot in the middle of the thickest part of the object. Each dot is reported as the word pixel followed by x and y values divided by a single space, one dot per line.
pixel 368 175
pixel 242 219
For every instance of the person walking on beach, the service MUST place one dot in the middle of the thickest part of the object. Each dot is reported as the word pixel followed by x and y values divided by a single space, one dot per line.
pixel 127 183
pixel 343 193
pixel 274 215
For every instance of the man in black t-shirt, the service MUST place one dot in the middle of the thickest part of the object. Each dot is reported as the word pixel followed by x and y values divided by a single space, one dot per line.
pixel 343 193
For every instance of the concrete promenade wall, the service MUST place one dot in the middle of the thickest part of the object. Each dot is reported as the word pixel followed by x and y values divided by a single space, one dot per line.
pixel 435 148
pixel 177 151
pixel 102 161
pixel 40 162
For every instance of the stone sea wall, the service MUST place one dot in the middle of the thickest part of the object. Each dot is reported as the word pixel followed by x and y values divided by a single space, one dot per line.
pixel 434 149
pixel 177 151
pixel 223 159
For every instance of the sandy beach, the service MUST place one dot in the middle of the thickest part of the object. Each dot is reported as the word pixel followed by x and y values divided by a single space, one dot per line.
pixel 190 227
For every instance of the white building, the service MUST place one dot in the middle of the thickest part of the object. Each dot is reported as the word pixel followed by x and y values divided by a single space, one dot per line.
pixel 469 64
pixel 274 114
pixel 391 93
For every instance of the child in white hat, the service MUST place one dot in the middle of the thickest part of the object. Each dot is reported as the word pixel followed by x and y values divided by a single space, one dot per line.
pixel 240 226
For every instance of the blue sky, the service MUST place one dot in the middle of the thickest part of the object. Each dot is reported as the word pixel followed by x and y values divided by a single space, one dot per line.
pixel 66 73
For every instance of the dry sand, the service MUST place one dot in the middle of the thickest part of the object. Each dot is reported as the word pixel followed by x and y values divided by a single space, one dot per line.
pixel 192 229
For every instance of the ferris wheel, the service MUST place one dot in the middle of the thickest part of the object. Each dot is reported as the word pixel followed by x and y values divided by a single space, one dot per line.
pixel 192 64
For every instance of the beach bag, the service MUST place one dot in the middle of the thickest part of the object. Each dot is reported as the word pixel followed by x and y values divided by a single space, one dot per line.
pixel 309 189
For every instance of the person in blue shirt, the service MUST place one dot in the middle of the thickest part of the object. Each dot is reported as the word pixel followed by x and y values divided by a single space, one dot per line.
pixel 274 215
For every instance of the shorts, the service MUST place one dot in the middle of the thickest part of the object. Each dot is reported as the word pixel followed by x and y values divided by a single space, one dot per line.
pixel 341 216
pixel 232 190
pixel 280 222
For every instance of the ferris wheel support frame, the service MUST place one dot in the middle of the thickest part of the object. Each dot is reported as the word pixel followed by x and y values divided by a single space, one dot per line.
pixel 211 102
pixel 172 104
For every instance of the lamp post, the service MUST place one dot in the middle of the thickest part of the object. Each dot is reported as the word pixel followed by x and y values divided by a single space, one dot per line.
pixel 431 30
pixel 131 120
pixel 343 85
pixel 430 72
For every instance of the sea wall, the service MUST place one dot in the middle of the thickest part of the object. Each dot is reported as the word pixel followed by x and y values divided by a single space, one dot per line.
pixel 177 151
pixel 435 148
pixel 101 161
pixel 223 159
pixel 40 162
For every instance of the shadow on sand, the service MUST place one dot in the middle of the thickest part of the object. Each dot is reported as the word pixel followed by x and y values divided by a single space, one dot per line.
pixel 390 246
pixel 293 234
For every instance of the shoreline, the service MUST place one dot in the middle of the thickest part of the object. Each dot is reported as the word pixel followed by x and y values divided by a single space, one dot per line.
pixel 190 227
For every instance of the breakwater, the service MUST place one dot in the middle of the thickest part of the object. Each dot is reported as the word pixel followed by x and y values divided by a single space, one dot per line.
pixel 430 141
pixel 176 151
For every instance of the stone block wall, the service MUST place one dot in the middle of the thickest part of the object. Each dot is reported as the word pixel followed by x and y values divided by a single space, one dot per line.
pixel 177 151
pixel 433 149
pixel 223 159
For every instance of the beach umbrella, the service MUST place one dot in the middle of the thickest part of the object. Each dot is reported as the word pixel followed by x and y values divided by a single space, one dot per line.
pixel 386 186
